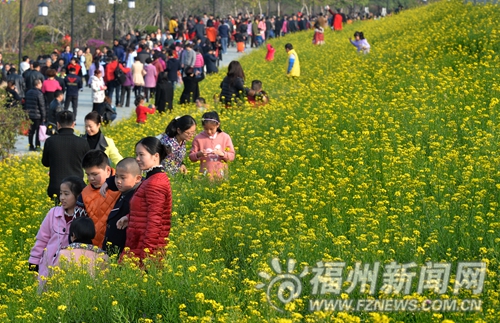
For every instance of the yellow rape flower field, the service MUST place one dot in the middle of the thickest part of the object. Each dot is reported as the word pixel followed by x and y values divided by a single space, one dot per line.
pixel 373 181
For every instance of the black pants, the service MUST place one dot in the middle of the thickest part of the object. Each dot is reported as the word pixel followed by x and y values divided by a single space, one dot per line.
pixel 148 92
pixel 96 106
pixel 35 125
pixel 74 103
pixel 137 90
pixel 112 86
pixel 164 96
pixel 125 90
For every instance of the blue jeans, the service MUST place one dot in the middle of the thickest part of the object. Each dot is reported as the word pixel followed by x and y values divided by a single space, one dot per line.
pixel 223 42
pixel 258 40
pixel 198 69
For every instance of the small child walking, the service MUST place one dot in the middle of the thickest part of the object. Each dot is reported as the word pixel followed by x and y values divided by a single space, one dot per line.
pixel 191 89
pixel 270 52
pixel 54 231
pixel 319 34
pixel 142 110
pixel 213 148
pixel 360 42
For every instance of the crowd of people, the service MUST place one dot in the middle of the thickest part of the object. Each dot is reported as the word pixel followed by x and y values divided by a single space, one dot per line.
pixel 153 65
pixel 130 212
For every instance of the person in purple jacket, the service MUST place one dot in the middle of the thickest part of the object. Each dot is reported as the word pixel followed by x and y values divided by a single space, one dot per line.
pixel 150 78
pixel 360 42
pixel 54 231
pixel 126 88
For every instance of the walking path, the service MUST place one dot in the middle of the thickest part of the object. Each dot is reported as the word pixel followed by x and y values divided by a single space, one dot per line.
pixel 85 105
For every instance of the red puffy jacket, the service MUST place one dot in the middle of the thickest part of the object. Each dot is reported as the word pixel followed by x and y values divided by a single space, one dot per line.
pixel 150 213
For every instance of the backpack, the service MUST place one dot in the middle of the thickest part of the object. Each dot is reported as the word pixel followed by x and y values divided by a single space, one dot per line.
pixel 120 76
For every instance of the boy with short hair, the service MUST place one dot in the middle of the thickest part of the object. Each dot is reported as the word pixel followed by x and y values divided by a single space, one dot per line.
pixel 126 180
pixel 55 107
pixel 73 84
pixel 260 98
pixel 91 203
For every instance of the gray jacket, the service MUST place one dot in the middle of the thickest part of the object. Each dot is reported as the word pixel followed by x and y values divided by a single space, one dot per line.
pixel 19 82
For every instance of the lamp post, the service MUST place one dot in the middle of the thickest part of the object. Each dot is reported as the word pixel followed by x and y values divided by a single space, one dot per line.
pixel 43 10
pixel 161 15
pixel 113 2
pixel 130 4
pixel 20 34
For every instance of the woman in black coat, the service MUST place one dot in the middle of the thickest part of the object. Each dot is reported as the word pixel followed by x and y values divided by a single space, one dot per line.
pixel 233 86
pixel 191 90
pixel 164 93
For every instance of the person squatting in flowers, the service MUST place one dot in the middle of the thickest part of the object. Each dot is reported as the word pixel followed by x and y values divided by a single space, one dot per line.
pixel 54 231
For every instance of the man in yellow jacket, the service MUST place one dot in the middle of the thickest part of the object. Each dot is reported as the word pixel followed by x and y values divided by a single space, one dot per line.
pixel 293 61
pixel 173 25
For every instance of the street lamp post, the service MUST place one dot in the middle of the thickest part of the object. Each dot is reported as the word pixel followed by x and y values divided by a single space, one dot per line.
pixel 161 15
pixel 20 34
pixel 20 56
pixel 130 4
pixel 43 10
pixel 113 2
pixel 72 23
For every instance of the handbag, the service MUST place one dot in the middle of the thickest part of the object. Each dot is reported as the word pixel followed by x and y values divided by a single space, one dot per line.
pixel 51 129
pixel 42 133
pixel 24 127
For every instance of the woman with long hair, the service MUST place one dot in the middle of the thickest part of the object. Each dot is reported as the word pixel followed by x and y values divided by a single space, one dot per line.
pixel 233 86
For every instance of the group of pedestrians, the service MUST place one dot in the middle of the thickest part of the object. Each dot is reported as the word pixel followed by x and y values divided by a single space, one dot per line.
pixel 130 205
pixel 124 210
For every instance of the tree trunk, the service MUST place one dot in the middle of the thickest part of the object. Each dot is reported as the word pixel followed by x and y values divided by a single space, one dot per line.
pixel 278 4
pixel 260 8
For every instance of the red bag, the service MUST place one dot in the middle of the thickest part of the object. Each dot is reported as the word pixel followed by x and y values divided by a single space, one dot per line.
pixel 24 127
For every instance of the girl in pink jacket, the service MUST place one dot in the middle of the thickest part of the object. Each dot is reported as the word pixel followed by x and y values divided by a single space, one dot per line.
pixel 54 231
pixel 81 251
pixel 212 147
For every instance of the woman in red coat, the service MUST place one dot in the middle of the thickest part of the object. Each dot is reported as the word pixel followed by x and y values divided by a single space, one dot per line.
pixel 151 206
pixel 337 18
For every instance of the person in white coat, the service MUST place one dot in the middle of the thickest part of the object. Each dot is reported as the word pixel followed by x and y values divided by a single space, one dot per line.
pixel 98 90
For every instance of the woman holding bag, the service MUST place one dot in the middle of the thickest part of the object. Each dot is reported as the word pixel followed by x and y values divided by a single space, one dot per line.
pixel 98 90
pixel 138 73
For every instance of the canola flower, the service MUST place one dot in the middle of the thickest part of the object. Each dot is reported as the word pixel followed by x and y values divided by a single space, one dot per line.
pixel 391 156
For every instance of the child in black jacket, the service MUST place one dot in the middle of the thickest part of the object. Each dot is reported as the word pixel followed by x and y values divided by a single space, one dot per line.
pixel 126 180
pixel 191 88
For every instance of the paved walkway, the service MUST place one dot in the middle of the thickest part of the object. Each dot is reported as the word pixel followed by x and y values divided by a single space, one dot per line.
pixel 85 106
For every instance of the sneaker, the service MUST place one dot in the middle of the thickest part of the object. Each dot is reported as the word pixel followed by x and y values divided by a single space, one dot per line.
pixel 119 105
pixel 32 148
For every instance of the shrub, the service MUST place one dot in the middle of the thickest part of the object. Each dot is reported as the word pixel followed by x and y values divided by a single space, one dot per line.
pixel 10 121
